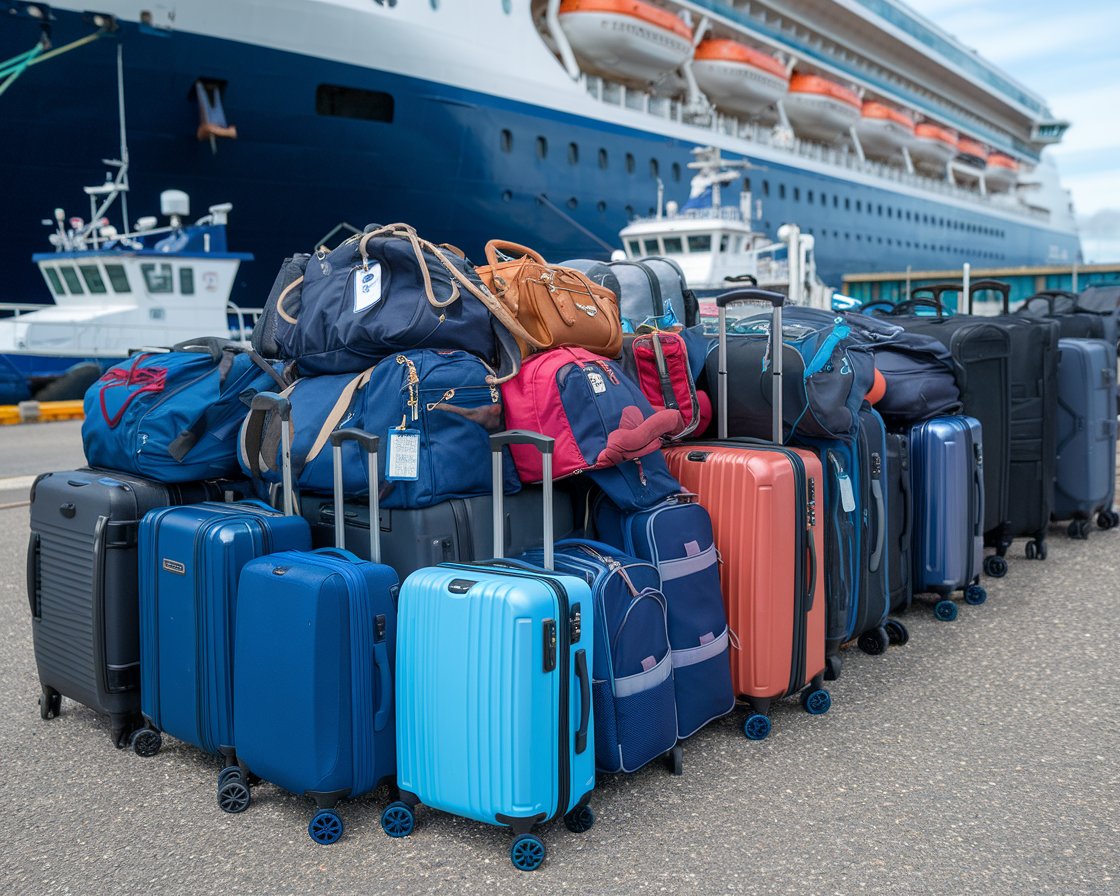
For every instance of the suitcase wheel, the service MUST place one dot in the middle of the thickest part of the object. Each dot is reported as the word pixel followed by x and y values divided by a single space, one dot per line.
pixel 398 821
pixel 945 610
pixel 1036 550
pixel 146 742
pixel 975 595
pixel 325 827
pixel 1108 519
pixel 897 633
pixel 995 566
pixel 675 759
pixel 527 852
pixel 50 703
pixel 817 701
pixel 579 820
pixel 757 726
pixel 875 641
pixel 234 795
pixel 1080 528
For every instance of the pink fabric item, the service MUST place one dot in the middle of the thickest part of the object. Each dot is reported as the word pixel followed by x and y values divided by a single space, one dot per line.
pixel 637 435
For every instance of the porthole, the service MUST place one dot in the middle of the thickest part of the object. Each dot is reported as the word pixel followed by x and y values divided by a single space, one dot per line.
pixel 507 140
pixel 542 148
pixel 603 160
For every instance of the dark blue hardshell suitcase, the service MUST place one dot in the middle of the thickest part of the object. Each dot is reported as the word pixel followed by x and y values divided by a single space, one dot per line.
pixel 676 537
pixel 313 683
pixel 190 562
pixel 947 478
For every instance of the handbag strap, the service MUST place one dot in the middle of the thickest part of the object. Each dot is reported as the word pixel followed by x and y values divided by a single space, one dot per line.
pixel 287 291
pixel 495 246
pixel 405 232
pixel 149 379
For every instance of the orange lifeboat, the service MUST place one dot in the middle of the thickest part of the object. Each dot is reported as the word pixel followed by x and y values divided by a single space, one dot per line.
pixel 933 146
pixel 737 78
pixel 625 40
pixel 1002 172
pixel 884 131
pixel 972 152
pixel 819 108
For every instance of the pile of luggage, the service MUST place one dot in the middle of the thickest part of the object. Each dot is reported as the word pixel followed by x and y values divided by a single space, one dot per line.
pixel 294 556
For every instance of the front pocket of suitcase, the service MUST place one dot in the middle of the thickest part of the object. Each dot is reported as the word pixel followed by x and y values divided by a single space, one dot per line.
pixel 607 756
pixel 702 684
pixel 646 714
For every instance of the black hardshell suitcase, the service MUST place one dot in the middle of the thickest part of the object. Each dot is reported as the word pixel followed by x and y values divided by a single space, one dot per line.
pixel 82 587
pixel 900 515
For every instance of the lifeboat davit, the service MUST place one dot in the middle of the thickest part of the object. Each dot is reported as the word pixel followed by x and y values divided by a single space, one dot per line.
pixel 625 40
pixel 972 152
pixel 820 109
pixel 884 131
pixel 933 146
pixel 1002 172
pixel 738 78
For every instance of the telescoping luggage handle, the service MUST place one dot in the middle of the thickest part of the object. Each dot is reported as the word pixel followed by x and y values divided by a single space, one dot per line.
pixel 544 444
pixel 776 300
pixel 262 403
pixel 369 444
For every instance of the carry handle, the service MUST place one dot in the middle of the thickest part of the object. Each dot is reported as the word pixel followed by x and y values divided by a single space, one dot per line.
pixel 880 527
pixel 903 307
pixel 544 444
pixel 776 301
pixel 811 591
pixel 385 678
pixel 908 505
pixel 369 443
pixel 261 404
pixel 34 595
pixel 495 246
pixel 215 346
pixel 997 286
pixel 584 700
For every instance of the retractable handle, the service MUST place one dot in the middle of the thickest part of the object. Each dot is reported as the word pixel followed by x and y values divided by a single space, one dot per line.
pixel 776 301
pixel 369 444
pixel 997 286
pixel 262 403
pixel 544 444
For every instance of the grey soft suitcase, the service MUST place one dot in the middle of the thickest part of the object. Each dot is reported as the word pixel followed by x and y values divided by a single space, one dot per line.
pixel 82 587
pixel 456 531
pixel 1086 454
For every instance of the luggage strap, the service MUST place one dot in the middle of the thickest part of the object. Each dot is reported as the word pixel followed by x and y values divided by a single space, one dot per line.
pixel 148 379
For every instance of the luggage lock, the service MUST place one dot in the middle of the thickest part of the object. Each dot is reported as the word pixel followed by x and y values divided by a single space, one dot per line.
pixel 549 645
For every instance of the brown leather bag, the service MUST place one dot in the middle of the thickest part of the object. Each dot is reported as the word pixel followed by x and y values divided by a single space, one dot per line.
pixel 554 305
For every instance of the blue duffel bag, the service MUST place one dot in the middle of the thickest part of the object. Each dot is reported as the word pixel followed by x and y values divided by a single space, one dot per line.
pixel 433 410
pixel 173 416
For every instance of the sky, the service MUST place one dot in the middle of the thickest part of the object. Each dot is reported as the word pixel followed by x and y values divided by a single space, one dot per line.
pixel 1068 53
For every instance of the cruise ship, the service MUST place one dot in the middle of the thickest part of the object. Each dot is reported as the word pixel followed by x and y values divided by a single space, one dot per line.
pixel 547 122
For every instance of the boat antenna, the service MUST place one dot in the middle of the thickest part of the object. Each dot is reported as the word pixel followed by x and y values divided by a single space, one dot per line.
pixel 124 139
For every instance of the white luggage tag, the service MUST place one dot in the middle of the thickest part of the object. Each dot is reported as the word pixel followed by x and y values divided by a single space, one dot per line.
pixel 367 287
pixel 403 462
pixel 847 494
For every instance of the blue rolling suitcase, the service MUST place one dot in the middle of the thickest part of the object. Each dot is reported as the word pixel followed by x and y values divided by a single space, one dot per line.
pixel 313 681
pixel 947 479
pixel 190 562
pixel 676 536
pixel 494 718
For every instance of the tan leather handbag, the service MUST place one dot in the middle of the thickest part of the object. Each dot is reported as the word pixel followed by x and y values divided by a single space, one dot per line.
pixel 554 305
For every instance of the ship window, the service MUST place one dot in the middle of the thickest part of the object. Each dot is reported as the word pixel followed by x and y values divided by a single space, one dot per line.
pixel 603 160
pixel 507 140
pixel 542 148
pixel 157 277
pixel 352 102
pixel 629 212
pixel 118 278
pixel 796 194
pixel 572 202
pixel 766 188
pixel 835 201
pixel 809 197
pixel 781 191
pixel 630 163
pixel 73 284
pixel 651 247
pixel 859 205
pixel 654 168
pixel 573 153
pixel 507 195
pixel 94 283
pixel 601 206
pixel 54 280
pixel 847 204
pixel 723 241
pixel 676 170
pixel 674 245
pixel 634 248
pixel 700 243
pixel 186 281
pixel 880 211
pixel 506 6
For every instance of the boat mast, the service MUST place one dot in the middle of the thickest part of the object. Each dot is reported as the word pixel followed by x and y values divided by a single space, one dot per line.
pixel 124 139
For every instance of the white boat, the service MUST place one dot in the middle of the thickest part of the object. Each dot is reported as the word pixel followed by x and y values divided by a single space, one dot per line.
pixel 884 132
pixel 933 146
pixel 738 79
pixel 1001 173
pixel 820 108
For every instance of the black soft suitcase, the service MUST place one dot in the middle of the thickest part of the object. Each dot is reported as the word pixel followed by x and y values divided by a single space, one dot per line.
pixel 1104 301
pixel 900 515
pixel 82 587
pixel 1061 306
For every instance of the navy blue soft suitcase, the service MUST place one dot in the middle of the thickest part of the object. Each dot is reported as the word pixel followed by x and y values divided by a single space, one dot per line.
pixel 947 478
pixel 190 561
pixel 676 536
pixel 313 683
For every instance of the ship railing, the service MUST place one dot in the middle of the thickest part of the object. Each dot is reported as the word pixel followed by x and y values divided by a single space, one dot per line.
pixel 242 315
pixel 15 309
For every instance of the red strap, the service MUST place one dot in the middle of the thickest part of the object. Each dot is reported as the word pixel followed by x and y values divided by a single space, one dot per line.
pixel 149 379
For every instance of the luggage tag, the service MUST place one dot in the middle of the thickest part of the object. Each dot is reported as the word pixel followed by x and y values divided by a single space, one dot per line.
pixel 847 494
pixel 403 462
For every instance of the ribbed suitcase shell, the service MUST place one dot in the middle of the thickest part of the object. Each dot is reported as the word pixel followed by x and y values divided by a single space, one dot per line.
pixel 945 458
pixel 874 595
pixel 761 512
pixel 483 731
pixel 900 515
pixel 1086 451
pixel 313 685
pixel 82 585
pixel 190 560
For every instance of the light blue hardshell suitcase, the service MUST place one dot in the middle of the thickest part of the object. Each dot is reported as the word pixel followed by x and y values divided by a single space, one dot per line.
pixel 313 683
pixel 190 561
pixel 947 479
pixel 493 688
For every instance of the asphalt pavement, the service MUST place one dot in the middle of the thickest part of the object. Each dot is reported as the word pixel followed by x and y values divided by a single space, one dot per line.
pixel 980 758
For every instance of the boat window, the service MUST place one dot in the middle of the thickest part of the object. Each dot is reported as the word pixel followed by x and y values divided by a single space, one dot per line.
pixel 73 284
pixel 94 282
pixel 572 202
pixel 507 140
pixel 700 243
pixel 859 205
pixel 634 248
pixel 186 281
pixel 766 188
pixel 676 170
pixel 654 168
pixel 651 247
pixel 601 206
pixel 603 159
pixel 118 278
pixel 674 245
pixel 723 242
pixel 797 194
pixel 507 195
pixel 506 6
pixel 157 277
pixel 847 204
pixel 630 163
pixel 880 211
pixel 809 197
pixel 781 191
pixel 573 153
pixel 54 280
pixel 835 201
pixel 352 102
pixel 542 148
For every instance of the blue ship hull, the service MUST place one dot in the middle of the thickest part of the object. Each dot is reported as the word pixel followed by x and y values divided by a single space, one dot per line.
pixel 440 164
